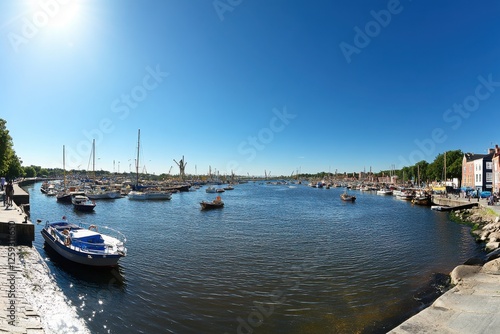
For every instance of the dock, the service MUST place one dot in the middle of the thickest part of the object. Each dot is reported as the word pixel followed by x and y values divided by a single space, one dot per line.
pixel 15 226
pixel 30 300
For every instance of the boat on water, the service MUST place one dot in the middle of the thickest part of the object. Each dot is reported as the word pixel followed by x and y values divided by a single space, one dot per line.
pixel 441 207
pixel 83 203
pixel 144 193
pixel 217 203
pixel 229 187
pixel 211 190
pixel 103 194
pixel 346 197
pixel 83 245
pixel 424 200
pixel 149 195
pixel 384 191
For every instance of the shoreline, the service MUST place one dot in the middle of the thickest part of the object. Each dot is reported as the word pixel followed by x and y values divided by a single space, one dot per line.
pixel 31 301
pixel 471 301
pixel 36 303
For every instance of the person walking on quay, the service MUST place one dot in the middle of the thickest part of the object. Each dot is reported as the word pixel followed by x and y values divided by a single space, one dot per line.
pixel 9 191
pixel 2 183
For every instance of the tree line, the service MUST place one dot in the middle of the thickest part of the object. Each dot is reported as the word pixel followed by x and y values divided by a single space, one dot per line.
pixel 423 170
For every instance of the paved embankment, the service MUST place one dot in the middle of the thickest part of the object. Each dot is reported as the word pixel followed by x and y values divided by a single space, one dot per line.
pixel 30 301
pixel 471 306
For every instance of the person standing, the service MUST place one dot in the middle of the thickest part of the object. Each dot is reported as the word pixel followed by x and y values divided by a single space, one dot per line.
pixel 2 183
pixel 9 192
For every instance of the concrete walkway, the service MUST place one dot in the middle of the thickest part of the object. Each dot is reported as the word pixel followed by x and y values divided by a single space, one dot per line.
pixel 30 300
pixel 16 312
pixel 471 306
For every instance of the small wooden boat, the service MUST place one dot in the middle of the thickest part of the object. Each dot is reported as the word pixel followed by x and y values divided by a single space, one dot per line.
pixel 347 198
pixel 424 200
pixel 215 204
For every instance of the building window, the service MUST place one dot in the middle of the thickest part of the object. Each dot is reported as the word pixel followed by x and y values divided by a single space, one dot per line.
pixel 489 165
pixel 489 177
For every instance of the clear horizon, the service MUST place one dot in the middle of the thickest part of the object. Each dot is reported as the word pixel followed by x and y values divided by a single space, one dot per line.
pixel 249 86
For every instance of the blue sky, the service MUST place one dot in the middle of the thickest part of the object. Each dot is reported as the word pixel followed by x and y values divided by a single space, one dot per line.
pixel 247 85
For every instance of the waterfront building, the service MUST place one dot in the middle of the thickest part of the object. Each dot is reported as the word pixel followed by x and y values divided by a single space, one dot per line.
pixel 477 171
pixel 495 161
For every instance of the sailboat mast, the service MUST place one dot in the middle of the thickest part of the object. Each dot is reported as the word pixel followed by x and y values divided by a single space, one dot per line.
pixel 93 158
pixel 137 164
pixel 444 166
pixel 64 168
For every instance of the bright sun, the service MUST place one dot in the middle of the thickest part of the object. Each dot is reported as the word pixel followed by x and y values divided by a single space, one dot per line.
pixel 55 13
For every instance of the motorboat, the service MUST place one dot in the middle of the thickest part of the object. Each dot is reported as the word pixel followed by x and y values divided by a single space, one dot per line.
pixel 87 246
pixel 103 194
pixel 66 196
pixel 83 203
pixel 215 204
pixel 211 189
pixel 384 191
pixel 149 195
pixel 441 208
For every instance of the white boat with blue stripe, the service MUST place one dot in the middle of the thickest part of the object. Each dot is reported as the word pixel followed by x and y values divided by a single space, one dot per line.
pixel 85 245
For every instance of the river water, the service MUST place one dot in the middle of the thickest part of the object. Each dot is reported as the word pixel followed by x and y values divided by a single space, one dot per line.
pixel 275 259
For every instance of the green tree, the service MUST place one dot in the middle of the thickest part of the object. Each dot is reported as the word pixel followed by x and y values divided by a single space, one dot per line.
pixel 30 171
pixel 10 164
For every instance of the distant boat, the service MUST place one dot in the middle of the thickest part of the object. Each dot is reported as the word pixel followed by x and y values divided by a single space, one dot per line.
pixel 384 191
pixel 83 203
pixel 211 190
pixel 149 195
pixel 103 194
pixel 215 204
pixel 229 187
pixel 347 198
pixel 441 208
pixel 424 200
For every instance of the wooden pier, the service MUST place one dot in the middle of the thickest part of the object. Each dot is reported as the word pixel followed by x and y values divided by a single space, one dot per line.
pixel 15 226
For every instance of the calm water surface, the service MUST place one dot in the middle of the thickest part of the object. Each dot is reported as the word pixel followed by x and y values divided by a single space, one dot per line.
pixel 275 259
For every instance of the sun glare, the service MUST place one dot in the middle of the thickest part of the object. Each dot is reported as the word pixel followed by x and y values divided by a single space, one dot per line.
pixel 54 13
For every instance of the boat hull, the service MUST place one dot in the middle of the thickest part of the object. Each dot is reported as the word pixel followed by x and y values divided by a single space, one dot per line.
pixel 348 198
pixel 84 207
pixel 85 258
pixel 211 206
